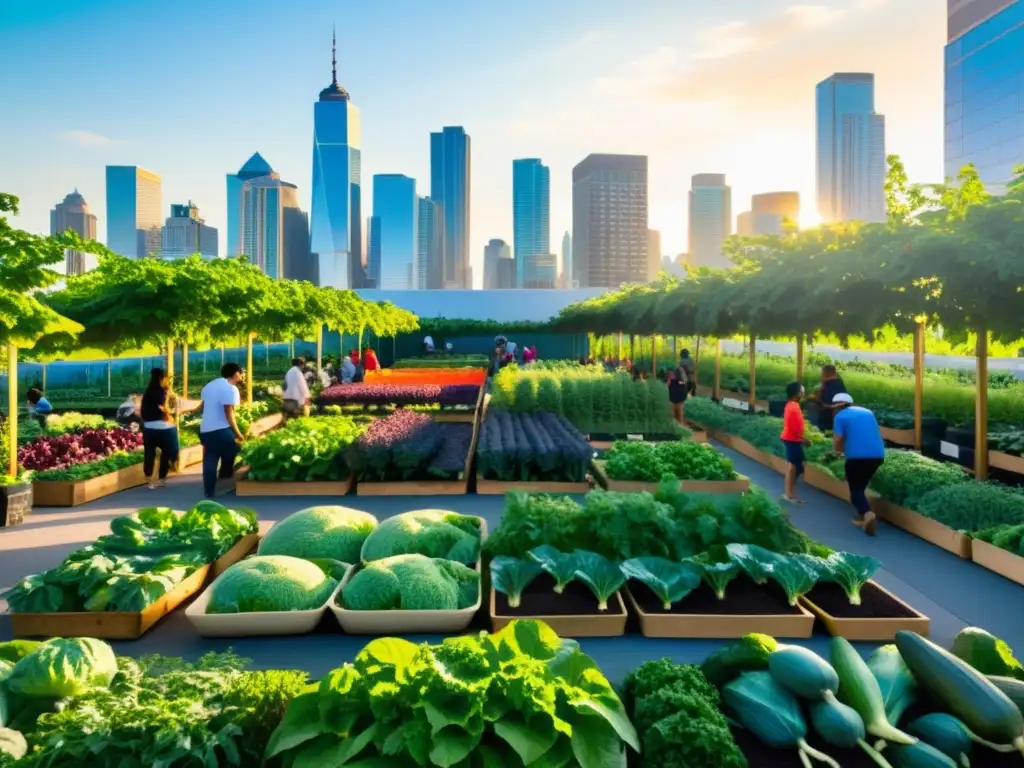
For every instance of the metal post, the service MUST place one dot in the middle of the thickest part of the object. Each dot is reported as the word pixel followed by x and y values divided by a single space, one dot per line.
pixel 918 386
pixel 12 409
pixel 110 364
pixel 170 360
pixel 184 370
pixel 981 410
pixel 43 376
pixel 800 358
pixel 248 369
pixel 752 398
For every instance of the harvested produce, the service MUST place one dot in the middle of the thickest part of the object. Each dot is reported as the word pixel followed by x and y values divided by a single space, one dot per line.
pixel 270 583
pixel 750 653
pixel 896 684
pixel 63 667
pixel 411 583
pixel 330 532
pixel 917 755
pixel 986 653
pixel 946 733
pixel 430 532
pixel 803 672
pixel 859 689
pixel 842 727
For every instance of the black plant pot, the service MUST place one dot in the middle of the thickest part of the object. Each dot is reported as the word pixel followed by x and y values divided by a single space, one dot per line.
pixel 15 503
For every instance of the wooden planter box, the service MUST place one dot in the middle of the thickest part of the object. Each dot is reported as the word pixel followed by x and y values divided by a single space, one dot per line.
pixel 243 487
pixel 266 424
pixel 741 446
pixel 500 487
pixel 898 436
pixel 740 485
pixel 1005 563
pixel 596 625
pixel 925 528
pixel 878 629
pixel 1006 461
pixel 823 481
pixel 720 626
pixel 698 436
pixel 15 503
pixel 190 456
pixel 54 493
pixel 238 552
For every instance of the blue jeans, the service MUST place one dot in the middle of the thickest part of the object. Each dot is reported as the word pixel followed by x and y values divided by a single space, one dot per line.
pixel 219 448
pixel 164 439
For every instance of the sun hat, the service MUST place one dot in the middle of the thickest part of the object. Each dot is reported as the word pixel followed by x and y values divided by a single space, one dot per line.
pixel 843 397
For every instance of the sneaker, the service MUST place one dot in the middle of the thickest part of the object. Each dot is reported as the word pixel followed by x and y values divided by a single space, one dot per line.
pixel 152 485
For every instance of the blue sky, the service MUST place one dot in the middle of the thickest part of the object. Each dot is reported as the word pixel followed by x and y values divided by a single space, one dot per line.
pixel 190 89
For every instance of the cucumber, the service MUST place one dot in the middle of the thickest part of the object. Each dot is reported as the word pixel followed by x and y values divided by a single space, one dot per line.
pixel 859 689
pixel 919 755
pixel 946 734
pixel 899 690
pixel 962 691
pixel 802 672
pixel 771 713
pixel 1013 688
pixel 842 727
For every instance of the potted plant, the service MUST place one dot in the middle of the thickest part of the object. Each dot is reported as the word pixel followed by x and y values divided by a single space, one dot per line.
pixel 15 499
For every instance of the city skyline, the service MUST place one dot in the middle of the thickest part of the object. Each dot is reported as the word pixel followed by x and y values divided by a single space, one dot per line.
pixel 687 68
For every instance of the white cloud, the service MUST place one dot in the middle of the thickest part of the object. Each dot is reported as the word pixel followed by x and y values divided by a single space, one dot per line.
pixel 89 139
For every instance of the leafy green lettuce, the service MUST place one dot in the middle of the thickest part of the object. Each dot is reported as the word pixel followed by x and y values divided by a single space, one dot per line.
pixel 604 577
pixel 668 580
pixel 510 576
pixel 560 565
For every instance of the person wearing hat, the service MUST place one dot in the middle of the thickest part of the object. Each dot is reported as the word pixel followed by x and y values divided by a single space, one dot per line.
pixel 856 434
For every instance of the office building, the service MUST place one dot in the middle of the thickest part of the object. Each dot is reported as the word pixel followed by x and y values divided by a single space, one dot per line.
pixel 254 168
pixel 984 90
pixel 185 234
pixel 74 214
pixel 541 271
pixel 770 213
pixel 745 224
pixel 134 211
pixel 298 263
pixel 506 270
pixel 566 280
pixel 531 212
pixel 336 217
pixel 850 158
pixel 609 221
pixel 450 187
pixel 494 251
pixel 710 220
pixel 271 227
pixel 395 224
pixel 653 253
pixel 430 247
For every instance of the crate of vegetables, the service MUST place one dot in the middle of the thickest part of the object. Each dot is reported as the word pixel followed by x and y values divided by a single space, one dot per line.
pixel 79 467
pixel 127 580
pixel 420 572
pixel 635 466
pixel 540 452
pixel 410 454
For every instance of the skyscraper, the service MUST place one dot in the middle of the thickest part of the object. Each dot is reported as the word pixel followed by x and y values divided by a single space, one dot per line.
pixel 336 218
pixel 609 220
pixel 567 281
pixel 653 253
pixel 984 77
pixel 449 186
pixel 710 220
pixel 134 205
pixel 270 225
pixel 850 149
pixel 254 167
pixel 541 271
pixel 494 251
pixel 745 224
pixel 531 212
pixel 74 214
pixel 185 233
pixel 431 245
pixel 768 214
pixel 396 206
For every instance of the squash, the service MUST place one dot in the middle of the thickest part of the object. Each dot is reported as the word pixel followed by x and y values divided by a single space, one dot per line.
pixel 962 691
pixel 919 755
pixel 802 672
pixel 842 727
pixel 899 690
pixel 946 734
pixel 1012 687
pixel 770 712
pixel 859 689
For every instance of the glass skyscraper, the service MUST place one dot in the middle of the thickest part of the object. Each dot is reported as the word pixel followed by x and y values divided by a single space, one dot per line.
pixel 134 211
pixel 985 89
pixel 531 213
pixel 430 248
pixel 335 239
pixel 850 156
pixel 254 167
pixel 710 220
pixel 449 186
pixel 393 255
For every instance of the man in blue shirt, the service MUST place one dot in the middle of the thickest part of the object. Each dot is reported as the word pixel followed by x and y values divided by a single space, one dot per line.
pixel 856 434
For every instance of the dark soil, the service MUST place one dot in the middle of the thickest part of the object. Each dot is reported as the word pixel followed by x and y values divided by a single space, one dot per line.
pixel 742 598
pixel 540 599
pixel 874 603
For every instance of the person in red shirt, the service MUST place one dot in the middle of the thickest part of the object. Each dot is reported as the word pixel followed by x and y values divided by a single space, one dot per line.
pixel 370 361
pixel 793 439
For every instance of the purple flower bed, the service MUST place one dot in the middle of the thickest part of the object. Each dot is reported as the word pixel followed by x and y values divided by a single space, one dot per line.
pixel 521 447
pixel 410 446
pixel 400 394
pixel 64 451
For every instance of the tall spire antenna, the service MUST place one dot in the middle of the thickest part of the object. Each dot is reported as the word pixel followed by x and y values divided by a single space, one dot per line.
pixel 334 55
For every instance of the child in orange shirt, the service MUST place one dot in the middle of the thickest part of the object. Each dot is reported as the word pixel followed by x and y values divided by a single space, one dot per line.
pixel 793 439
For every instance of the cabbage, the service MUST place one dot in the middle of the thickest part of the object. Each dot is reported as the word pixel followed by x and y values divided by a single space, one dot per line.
pixel 14 651
pixel 64 667
pixel 335 533
pixel 429 532
pixel 270 583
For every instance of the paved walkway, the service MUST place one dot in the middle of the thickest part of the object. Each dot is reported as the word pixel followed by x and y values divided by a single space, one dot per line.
pixel 953 592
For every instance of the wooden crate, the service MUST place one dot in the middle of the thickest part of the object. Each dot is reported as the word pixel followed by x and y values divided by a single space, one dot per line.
pixel 594 625
pixel 56 493
pixel 243 487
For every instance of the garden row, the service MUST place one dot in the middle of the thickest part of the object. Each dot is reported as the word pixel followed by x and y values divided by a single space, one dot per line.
pixel 935 500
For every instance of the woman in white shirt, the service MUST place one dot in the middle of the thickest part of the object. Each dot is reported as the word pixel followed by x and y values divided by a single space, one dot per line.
pixel 296 398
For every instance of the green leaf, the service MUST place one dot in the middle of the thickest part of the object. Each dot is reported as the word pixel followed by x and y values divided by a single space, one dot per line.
pixel 669 581
pixel 596 745
pixel 529 638
pixel 530 740
pixel 301 723
pixel 560 565
pixel 754 560
pixel 452 745
pixel 510 576
pixel 604 577
pixel 850 571
pixel 391 652
pixel 718 576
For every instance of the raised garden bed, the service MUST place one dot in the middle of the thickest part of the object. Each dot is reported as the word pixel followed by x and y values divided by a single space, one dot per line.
pixel 740 485
pixel 15 503
pixel 122 625
pixel 1006 461
pixel 925 528
pixel 879 616
pixel 501 487
pixel 823 481
pixel 573 613
pixel 603 442
pixel 996 559
pixel 747 607
pixel 904 437
pixel 71 493
pixel 243 487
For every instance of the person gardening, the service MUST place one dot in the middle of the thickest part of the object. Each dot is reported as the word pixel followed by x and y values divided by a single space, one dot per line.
pixel 218 431
pixel 686 363
pixel 793 430
pixel 296 399
pixel 678 389
pixel 857 435
pixel 831 385
pixel 159 429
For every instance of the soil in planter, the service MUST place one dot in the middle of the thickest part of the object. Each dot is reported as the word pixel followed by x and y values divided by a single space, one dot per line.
pixel 874 603
pixel 742 598
pixel 540 599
